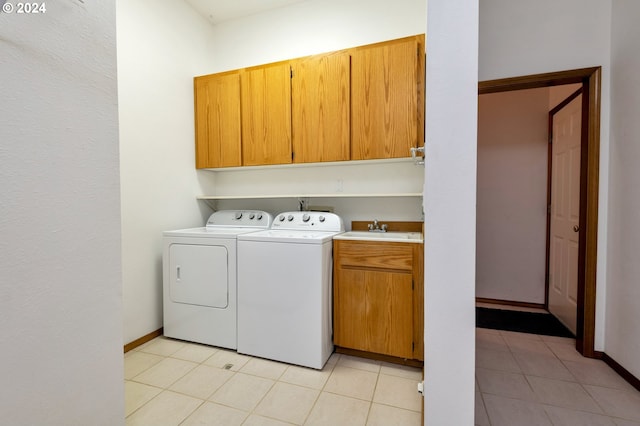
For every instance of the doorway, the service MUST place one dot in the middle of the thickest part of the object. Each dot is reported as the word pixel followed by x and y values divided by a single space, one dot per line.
pixel 586 251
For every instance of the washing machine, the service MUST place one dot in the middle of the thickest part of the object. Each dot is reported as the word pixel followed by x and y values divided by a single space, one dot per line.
pixel 285 289
pixel 200 277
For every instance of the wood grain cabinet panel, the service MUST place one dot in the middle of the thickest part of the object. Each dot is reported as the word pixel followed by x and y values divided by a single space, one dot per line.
pixel 387 89
pixel 218 127
pixel 321 108
pixel 266 115
pixel 375 312
pixel 378 298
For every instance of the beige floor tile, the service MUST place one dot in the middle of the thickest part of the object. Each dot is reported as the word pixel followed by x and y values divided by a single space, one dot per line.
pixel 511 412
pixel 496 360
pixel 289 403
pixel 511 334
pixel 162 346
pixel 336 410
pixel 622 422
pixel 202 381
pixel 597 373
pixel 384 415
pixel 264 368
pixel 255 420
pixel 484 331
pixel 334 358
pixel 135 362
pixel 351 382
pixel 558 339
pixel 617 403
pixel 359 363
pixel 136 395
pixel 224 357
pixel 513 385
pixel 398 392
pixel 533 364
pixel 481 418
pixel 242 391
pixel 566 417
pixel 211 414
pixel 166 409
pixel 518 344
pixel 194 352
pixel 307 377
pixel 563 394
pixel 405 371
pixel 495 342
pixel 566 352
pixel 165 373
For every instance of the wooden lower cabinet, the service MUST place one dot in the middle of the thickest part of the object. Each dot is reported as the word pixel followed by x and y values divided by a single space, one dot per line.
pixel 378 301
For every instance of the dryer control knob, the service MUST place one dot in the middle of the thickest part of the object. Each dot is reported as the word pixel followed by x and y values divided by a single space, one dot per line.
pixel 281 218
pixel 238 215
pixel 306 217
pixel 321 218
pixel 290 217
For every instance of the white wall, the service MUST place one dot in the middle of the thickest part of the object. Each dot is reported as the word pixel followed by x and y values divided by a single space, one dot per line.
pixel 161 47
pixel 523 38
pixel 450 210
pixel 512 195
pixel 303 29
pixel 623 293
pixel 60 297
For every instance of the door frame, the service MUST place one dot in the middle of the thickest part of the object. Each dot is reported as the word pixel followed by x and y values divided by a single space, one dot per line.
pixel 590 78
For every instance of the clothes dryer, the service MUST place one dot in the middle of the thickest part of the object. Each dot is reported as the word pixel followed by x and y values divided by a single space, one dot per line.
pixel 200 277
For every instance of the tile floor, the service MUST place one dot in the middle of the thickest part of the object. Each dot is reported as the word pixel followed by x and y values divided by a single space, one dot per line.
pixel 527 379
pixel 521 379
pixel 170 382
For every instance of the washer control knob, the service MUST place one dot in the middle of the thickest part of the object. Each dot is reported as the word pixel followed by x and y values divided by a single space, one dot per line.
pixel 238 215
pixel 290 217
pixel 306 217
pixel 281 218
pixel 259 216
pixel 252 216
pixel 321 218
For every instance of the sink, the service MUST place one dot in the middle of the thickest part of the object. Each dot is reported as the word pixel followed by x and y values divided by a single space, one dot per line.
pixel 401 237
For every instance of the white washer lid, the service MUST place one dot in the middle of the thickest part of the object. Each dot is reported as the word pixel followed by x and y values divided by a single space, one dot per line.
pixel 289 236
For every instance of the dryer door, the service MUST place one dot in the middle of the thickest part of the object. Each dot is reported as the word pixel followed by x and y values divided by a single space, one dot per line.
pixel 199 275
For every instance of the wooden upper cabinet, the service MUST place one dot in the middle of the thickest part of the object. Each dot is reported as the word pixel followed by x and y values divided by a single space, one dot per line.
pixel 387 94
pixel 218 128
pixel 321 108
pixel 266 115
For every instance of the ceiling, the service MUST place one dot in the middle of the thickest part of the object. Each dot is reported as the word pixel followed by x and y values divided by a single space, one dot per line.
pixel 217 11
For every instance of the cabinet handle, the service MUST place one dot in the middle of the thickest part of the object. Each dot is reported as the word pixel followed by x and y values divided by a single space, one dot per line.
pixel 178 273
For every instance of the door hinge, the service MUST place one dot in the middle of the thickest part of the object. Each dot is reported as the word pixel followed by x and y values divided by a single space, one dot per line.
pixel 421 388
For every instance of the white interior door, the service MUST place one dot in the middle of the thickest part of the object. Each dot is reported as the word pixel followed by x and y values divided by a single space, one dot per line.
pixel 565 213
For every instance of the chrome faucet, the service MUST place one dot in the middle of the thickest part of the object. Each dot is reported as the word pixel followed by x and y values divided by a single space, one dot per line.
pixel 376 227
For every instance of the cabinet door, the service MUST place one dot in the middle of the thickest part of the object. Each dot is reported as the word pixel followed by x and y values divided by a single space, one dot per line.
pixel 374 311
pixel 217 115
pixel 321 108
pixel 387 87
pixel 266 115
